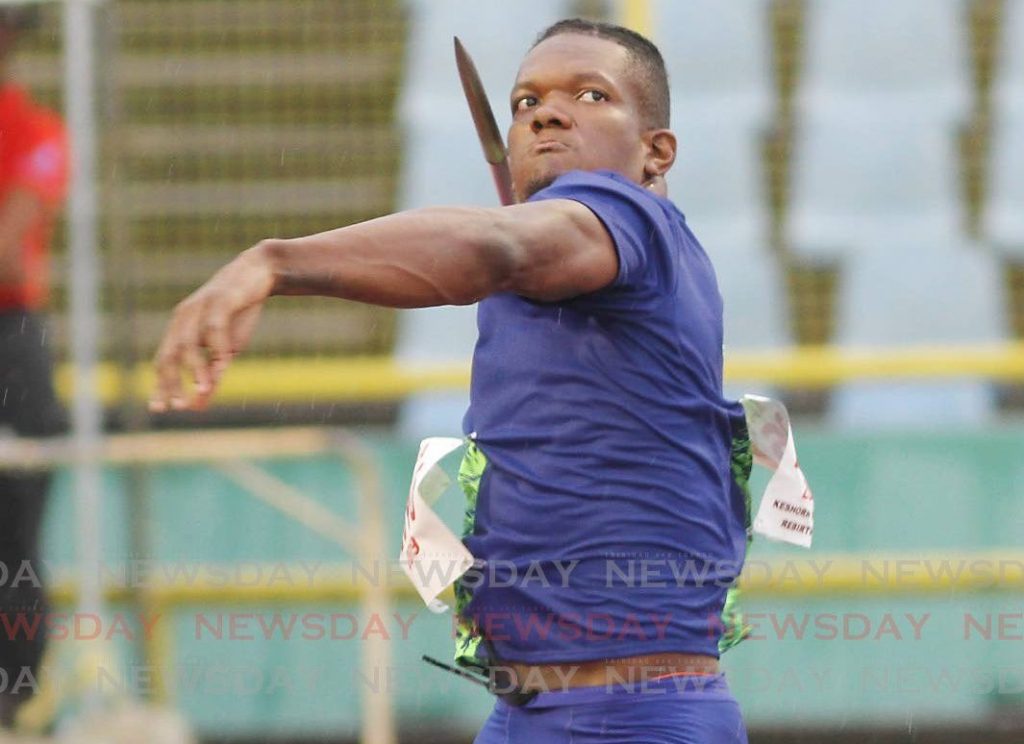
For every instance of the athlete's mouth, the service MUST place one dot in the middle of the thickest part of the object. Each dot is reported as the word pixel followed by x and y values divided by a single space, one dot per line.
pixel 549 146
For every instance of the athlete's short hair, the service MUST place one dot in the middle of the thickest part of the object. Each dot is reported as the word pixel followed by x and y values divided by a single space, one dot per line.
pixel 648 66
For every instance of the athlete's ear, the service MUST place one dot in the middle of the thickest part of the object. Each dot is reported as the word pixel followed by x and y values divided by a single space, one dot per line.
pixel 660 152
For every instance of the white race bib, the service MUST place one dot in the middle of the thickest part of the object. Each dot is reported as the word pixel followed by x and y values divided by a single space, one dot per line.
pixel 786 512
pixel 432 556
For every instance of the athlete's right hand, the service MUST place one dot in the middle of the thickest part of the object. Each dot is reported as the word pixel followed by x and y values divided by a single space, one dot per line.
pixel 207 329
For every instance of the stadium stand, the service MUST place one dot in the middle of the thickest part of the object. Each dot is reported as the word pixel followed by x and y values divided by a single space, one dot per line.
pixel 1004 222
pixel 861 173
pixel 716 57
pixel 866 50
pixel 877 107
pixel 876 191
pixel 1009 86
pixel 227 122
pixel 912 289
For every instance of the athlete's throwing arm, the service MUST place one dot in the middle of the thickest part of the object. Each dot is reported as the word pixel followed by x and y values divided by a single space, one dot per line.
pixel 548 250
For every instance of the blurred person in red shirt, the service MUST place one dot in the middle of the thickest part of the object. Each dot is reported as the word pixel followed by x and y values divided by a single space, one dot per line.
pixel 33 181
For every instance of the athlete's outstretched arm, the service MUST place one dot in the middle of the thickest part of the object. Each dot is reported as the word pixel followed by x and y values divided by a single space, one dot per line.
pixel 547 250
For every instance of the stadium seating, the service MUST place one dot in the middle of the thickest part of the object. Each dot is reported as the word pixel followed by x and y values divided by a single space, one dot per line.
pixel 913 290
pixel 1009 84
pixel 717 56
pixel 1004 212
pixel 223 123
pixel 877 111
pixel 860 173
pixel 875 191
pixel 232 120
pixel 717 177
pixel 908 55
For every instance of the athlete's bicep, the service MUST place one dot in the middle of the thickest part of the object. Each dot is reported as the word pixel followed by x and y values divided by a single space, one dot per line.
pixel 560 249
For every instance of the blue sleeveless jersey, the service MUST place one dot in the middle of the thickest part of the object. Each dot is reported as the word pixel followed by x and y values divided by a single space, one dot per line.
pixel 607 521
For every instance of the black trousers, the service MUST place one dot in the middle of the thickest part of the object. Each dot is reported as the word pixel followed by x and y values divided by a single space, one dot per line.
pixel 29 406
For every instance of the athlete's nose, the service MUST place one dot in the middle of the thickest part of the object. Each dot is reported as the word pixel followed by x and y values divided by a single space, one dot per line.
pixel 547 115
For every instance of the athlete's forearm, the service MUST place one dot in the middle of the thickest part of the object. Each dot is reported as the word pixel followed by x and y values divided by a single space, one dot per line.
pixel 424 257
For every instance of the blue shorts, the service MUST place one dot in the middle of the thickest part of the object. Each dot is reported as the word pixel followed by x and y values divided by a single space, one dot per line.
pixel 672 710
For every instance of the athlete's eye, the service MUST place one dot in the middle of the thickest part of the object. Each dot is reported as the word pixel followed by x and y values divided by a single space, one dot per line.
pixel 593 96
pixel 523 102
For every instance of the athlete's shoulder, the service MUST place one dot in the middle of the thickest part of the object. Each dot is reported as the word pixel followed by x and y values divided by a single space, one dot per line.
pixel 647 230
pixel 606 180
pixel 614 189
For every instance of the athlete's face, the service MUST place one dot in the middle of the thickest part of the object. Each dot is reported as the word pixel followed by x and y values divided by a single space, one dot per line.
pixel 575 107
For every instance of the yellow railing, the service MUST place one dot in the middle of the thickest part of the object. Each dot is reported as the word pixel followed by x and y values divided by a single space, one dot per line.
pixel 804 575
pixel 387 378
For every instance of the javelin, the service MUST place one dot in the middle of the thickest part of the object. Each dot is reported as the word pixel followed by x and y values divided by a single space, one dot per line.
pixel 486 127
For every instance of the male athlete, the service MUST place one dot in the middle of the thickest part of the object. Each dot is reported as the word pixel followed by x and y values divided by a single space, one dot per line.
pixel 600 450
pixel 33 178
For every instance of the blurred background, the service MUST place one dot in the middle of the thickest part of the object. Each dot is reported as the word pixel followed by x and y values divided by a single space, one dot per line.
pixel 854 169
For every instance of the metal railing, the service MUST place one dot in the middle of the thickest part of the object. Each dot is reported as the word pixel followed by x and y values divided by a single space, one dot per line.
pixel 231 452
pixel 387 378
